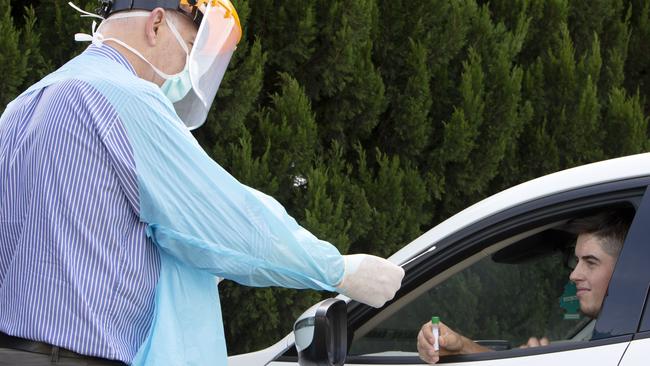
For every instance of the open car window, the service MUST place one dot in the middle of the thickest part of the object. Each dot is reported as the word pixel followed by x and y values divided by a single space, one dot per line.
pixel 511 290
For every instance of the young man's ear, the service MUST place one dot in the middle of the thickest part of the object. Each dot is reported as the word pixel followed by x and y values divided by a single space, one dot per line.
pixel 154 21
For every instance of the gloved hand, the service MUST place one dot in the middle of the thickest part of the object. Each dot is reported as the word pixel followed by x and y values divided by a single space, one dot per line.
pixel 369 279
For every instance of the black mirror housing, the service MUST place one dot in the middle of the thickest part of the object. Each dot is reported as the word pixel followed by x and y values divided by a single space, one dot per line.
pixel 321 334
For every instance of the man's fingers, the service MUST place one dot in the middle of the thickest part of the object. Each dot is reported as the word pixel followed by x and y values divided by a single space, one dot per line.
pixel 450 342
pixel 425 349
pixel 427 333
pixel 369 279
pixel 536 342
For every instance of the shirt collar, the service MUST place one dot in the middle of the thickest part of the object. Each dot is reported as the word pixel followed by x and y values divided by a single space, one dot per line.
pixel 110 53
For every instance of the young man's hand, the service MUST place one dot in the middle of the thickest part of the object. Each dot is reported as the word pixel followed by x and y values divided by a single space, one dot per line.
pixel 535 342
pixel 450 342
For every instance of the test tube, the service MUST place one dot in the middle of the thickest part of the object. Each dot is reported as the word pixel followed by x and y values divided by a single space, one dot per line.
pixel 435 329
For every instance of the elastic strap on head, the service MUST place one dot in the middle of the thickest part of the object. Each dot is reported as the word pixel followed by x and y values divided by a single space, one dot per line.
pixel 98 39
pixel 84 14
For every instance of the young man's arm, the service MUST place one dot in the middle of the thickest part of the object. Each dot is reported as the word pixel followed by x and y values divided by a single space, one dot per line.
pixel 451 343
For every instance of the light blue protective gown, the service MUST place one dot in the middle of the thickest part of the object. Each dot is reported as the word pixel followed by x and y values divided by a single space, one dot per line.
pixel 205 223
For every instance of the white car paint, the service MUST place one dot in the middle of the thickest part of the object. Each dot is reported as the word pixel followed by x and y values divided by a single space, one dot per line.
pixel 608 355
pixel 638 353
pixel 593 356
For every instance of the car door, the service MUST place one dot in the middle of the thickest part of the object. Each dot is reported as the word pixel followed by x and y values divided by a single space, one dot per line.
pixel 499 279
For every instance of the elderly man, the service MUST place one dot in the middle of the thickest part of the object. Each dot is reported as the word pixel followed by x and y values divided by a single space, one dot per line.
pixel 114 224
pixel 600 240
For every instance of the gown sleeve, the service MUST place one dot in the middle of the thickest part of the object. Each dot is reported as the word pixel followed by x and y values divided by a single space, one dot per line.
pixel 201 215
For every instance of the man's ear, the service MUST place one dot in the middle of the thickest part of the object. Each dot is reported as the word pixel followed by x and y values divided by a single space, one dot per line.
pixel 154 21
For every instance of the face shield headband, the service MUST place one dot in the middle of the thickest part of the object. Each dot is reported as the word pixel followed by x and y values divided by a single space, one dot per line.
pixel 188 7
pixel 216 40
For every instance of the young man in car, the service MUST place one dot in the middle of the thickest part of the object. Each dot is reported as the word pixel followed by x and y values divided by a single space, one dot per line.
pixel 599 242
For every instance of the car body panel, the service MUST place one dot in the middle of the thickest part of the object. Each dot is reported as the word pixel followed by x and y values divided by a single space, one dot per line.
pixel 262 357
pixel 606 355
pixel 637 353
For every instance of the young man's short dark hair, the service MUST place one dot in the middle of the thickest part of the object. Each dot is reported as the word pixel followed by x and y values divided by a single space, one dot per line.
pixel 610 226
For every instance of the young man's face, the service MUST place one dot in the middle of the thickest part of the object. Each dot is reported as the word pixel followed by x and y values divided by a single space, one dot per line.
pixel 592 273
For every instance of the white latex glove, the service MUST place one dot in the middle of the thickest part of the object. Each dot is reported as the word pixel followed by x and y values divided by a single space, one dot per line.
pixel 369 279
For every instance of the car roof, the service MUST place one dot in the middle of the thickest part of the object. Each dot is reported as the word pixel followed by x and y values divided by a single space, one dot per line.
pixel 628 167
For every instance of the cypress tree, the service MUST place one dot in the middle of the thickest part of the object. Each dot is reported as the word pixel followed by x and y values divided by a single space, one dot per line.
pixel 579 133
pixel 343 83
pixel 13 62
pixel 288 29
pixel 289 131
pixel 626 125
pixel 547 18
pixel 448 24
pixel 407 129
pixel 494 126
pixel 36 66
pixel 589 19
pixel 397 195
pixel 615 41
pixel 461 132
pixel 638 63
pixel 57 24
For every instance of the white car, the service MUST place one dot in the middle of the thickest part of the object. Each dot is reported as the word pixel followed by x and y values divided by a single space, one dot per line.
pixel 496 273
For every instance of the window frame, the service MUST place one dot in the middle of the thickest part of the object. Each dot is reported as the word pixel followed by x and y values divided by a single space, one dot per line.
pixel 623 307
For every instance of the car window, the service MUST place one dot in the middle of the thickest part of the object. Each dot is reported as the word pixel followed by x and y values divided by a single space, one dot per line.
pixel 501 304
pixel 516 289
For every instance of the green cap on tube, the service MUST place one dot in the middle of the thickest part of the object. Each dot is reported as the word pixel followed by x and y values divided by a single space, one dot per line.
pixel 435 320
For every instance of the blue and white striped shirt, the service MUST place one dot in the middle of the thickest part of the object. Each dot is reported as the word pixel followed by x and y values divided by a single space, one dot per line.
pixel 76 267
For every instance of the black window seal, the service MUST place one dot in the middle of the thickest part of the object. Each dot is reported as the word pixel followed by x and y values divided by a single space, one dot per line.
pixel 641 335
pixel 644 326
pixel 499 355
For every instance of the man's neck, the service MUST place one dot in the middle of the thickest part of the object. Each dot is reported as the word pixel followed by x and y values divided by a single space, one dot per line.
pixel 142 69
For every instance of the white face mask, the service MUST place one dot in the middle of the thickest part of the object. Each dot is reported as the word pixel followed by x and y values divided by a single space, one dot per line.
pixel 176 86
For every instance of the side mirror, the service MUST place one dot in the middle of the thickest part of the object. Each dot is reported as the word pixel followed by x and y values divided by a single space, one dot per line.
pixel 321 334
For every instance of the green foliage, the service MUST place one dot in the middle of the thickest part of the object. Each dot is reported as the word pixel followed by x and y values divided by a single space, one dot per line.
pixel 626 125
pixel 341 78
pixel 372 120
pixel 637 63
pixel 37 65
pixel 13 62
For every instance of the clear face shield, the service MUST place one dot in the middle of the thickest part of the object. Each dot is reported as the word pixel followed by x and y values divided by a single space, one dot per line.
pixel 216 40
